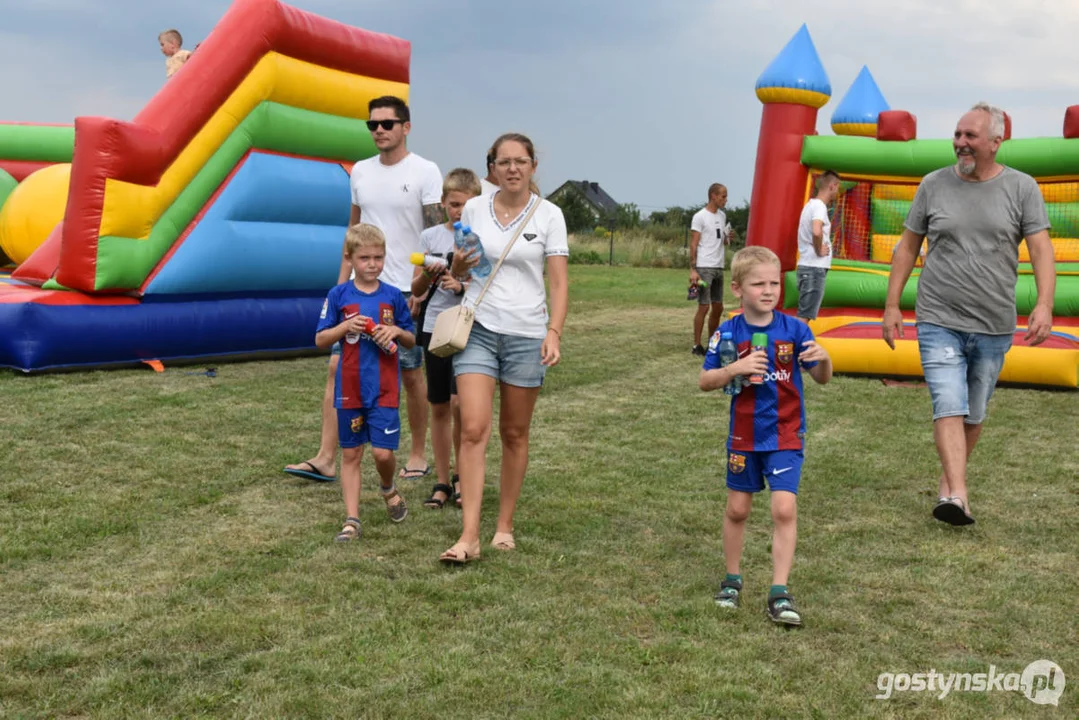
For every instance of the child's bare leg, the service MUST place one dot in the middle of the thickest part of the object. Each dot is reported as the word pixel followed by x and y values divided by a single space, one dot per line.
pixel 350 479
pixel 441 443
pixel 734 528
pixel 385 464
pixel 784 534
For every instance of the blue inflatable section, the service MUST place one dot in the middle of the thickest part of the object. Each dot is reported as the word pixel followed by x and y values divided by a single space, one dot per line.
pixel 797 66
pixel 277 226
pixel 862 103
pixel 40 337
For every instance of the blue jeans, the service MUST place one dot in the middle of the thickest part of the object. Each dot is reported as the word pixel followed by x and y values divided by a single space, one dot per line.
pixel 512 359
pixel 961 369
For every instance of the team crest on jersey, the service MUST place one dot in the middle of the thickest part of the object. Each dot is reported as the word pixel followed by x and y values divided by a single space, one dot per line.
pixel 387 316
pixel 736 462
pixel 356 423
pixel 784 352
pixel 325 308
pixel 714 342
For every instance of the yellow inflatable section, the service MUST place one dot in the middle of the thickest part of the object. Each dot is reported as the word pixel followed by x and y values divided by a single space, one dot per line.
pixel 131 210
pixel 882 246
pixel 1053 367
pixel 32 210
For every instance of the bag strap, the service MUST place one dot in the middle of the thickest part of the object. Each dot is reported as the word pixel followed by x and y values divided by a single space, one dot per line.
pixel 505 252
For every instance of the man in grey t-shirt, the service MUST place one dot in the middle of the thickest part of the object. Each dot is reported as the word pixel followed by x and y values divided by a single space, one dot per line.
pixel 974 215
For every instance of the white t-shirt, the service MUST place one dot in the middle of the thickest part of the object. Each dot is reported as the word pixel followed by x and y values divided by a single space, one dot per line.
pixel 516 304
pixel 438 241
pixel 391 197
pixel 713 229
pixel 486 187
pixel 815 209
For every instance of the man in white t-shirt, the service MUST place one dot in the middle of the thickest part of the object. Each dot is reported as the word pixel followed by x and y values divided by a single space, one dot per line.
pixel 815 245
pixel 488 184
pixel 709 236
pixel 400 193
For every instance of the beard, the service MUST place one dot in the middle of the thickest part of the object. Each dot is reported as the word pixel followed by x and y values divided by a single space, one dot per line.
pixel 966 164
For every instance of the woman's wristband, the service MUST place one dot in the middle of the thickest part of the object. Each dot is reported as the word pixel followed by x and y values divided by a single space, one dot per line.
pixel 556 332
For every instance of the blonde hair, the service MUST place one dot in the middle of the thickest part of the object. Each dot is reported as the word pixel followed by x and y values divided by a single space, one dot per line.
pixel 750 257
pixel 362 235
pixel 461 180
pixel 172 35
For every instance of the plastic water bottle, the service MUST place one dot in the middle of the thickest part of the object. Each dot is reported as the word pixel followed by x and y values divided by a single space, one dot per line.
pixel 759 341
pixel 728 354
pixel 468 242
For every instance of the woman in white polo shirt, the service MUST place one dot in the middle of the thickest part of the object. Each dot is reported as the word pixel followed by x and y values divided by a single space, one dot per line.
pixel 514 339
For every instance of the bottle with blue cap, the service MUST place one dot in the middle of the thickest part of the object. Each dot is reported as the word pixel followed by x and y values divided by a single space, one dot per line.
pixel 728 353
pixel 468 242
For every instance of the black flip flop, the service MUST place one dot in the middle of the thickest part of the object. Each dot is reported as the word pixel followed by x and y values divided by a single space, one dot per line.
pixel 314 474
pixel 408 473
pixel 952 511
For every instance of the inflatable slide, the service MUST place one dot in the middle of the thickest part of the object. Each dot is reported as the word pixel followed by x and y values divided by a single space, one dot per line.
pixel 876 151
pixel 211 224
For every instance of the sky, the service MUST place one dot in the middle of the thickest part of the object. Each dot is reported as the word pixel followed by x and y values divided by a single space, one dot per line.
pixel 654 101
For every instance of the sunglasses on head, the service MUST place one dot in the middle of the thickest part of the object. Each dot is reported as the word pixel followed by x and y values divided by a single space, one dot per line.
pixel 372 125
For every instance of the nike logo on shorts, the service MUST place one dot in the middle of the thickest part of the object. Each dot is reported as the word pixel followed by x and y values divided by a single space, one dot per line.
pixel 391 432
pixel 779 471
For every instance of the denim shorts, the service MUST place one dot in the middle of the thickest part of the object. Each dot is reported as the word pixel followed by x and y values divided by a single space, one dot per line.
pixel 810 290
pixel 961 369
pixel 511 359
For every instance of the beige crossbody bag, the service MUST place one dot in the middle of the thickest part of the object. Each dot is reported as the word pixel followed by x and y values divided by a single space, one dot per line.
pixel 453 326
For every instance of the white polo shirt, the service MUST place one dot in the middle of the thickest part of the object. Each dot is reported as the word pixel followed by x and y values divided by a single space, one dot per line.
pixel 391 197
pixel 516 304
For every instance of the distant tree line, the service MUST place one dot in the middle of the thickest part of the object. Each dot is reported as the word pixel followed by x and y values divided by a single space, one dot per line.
pixel 581 218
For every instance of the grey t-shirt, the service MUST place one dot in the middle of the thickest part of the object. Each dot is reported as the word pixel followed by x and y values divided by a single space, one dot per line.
pixel 437 240
pixel 973 231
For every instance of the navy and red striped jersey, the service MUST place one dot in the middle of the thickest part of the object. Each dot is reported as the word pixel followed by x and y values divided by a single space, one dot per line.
pixel 367 377
pixel 770 416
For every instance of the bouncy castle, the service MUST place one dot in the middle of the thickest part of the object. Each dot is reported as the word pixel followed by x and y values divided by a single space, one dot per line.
pixel 211 225
pixel 876 151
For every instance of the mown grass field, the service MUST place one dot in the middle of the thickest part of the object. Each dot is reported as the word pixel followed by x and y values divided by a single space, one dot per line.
pixel 155 561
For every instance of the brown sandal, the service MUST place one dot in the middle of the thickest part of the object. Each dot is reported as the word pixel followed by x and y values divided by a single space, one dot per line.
pixel 503 541
pixel 459 554
pixel 398 510
pixel 350 531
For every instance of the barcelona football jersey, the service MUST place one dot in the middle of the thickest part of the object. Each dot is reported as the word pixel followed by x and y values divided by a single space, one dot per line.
pixel 770 416
pixel 366 375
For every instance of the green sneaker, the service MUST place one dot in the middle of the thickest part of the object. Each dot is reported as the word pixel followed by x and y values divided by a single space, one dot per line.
pixel 729 591
pixel 782 611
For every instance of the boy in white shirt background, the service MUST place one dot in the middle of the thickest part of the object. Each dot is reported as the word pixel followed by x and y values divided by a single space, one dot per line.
pixel 815 246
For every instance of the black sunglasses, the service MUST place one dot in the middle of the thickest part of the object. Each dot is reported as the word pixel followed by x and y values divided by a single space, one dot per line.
pixel 372 125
